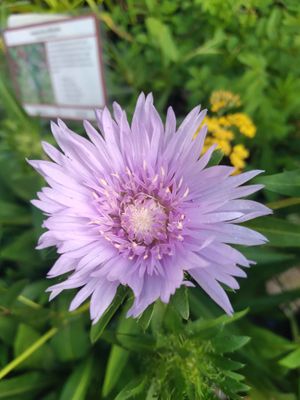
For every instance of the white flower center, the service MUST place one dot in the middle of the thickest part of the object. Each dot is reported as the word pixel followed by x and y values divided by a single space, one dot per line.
pixel 144 220
pixel 141 219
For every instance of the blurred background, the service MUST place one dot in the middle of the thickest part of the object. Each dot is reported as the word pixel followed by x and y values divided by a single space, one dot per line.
pixel 240 59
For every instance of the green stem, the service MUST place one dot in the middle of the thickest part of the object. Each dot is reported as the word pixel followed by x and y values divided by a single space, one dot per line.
pixel 27 353
pixel 28 302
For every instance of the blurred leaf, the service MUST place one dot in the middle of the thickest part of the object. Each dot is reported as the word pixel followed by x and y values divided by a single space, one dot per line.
pixel 216 158
pixel 71 342
pixel 260 394
pixel 228 344
pixel 31 382
pixel 211 46
pixel 22 249
pixel 264 303
pixel 7 329
pixel 273 25
pixel 118 356
pixel 267 343
pixel 131 390
pixel 116 363
pixel 163 37
pixel 78 383
pixel 25 337
pixel 279 232
pixel 286 183
pixel 292 360
pixel 13 214
pixel 8 296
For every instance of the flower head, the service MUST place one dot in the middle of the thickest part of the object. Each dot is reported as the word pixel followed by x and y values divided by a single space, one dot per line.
pixel 136 206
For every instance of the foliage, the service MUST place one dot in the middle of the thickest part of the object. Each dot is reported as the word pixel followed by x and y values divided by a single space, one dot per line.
pixel 183 51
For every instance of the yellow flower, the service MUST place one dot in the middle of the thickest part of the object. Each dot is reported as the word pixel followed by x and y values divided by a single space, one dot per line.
pixel 243 123
pixel 241 151
pixel 224 99
pixel 224 145
pixel 236 161
pixel 222 130
pixel 237 157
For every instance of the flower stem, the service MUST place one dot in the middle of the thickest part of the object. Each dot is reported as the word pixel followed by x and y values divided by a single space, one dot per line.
pixel 27 353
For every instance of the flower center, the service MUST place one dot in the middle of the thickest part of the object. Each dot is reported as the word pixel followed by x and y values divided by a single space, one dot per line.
pixel 144 220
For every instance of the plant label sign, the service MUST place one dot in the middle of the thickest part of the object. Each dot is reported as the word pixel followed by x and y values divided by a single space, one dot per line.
pixel 57 67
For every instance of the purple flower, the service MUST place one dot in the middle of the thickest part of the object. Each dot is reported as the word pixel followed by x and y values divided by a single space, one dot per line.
pixel 137 207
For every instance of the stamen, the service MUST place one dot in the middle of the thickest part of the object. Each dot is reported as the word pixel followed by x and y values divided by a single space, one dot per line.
pixel 103 181
pixel 186 192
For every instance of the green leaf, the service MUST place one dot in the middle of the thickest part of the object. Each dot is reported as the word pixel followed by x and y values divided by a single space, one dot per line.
pixel 264 303
pixel 292 360
pixel 273 25
pixel 118 356
pixel 7 329
pixel 163 37
pixel 215 158
pixel 228 343
pixel 116 363
pixel 22 249
pixel 286 183
pixel 8 296
pixel 131 390
pixel 269 344
pixel 145 319
pixel 205 325
pixel 279 232
pixel 13 214
pixel 180 301
pixel 159 312
pixel 31 382
pixel 71 342
pixel 98 328
pixel 25 337
pixel 78 383
pixel 233 386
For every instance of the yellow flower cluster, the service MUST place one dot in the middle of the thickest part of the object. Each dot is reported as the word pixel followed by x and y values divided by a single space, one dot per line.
pixel 237 157
pixel 221 99
pixel 243 123
pixel 223 130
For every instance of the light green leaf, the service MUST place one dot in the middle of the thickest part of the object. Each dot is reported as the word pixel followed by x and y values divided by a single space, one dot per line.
pixel 163 37
pixel 180 301
pixel 78 383
pixel 292 360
